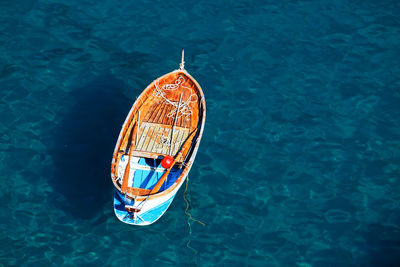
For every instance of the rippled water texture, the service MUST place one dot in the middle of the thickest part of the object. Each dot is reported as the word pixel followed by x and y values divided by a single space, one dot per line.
pixel 300 159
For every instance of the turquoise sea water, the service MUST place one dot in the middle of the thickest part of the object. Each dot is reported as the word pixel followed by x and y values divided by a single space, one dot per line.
pixel 300 159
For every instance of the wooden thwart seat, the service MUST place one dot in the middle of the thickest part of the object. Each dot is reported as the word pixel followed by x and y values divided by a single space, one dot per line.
pixel 155 138
pixel 138 191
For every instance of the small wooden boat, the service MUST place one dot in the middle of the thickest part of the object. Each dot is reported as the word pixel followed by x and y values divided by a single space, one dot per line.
pixel 156 147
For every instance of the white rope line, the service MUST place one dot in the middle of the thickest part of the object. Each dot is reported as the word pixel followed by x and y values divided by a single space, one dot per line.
pixel 184 108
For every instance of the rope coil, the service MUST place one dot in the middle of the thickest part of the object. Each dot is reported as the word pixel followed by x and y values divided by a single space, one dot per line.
pixel 184 107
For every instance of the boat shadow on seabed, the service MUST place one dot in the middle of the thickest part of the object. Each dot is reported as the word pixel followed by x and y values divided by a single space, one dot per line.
pixel 84 143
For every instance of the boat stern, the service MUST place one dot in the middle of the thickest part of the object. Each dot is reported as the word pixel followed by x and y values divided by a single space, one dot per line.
pixel 141 213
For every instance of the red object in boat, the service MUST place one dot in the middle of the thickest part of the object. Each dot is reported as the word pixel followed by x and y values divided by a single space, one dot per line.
pixel 167 161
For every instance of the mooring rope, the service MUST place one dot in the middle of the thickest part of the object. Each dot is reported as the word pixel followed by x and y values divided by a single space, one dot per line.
pixel 187 200
pixel 189 216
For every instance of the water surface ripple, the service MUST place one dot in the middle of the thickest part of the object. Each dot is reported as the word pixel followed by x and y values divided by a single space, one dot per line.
pixel 300 160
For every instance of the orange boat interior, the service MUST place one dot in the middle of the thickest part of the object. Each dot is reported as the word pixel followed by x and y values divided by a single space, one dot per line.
pixel 163 121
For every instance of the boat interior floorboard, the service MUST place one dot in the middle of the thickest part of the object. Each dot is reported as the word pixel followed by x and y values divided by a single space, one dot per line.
pixel 155 138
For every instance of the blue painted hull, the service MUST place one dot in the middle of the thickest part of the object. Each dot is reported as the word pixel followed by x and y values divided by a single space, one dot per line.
pixel 150 212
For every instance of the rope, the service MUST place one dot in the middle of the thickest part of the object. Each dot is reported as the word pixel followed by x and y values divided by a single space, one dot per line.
pixel 187 201
pixel 184 108
pixel 188 206
pixel 177 112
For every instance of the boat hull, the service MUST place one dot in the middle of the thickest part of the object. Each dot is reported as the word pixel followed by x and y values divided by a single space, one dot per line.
pixel 139 201
pixel 151 209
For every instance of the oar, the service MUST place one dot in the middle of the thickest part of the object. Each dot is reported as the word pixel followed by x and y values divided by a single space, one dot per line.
pixel 127 169
pixel 137 130
pixel 124 185
pixel 121 143
pixel 166 173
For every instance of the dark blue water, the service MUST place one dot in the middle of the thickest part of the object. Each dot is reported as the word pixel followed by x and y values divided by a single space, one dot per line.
pixel 300 159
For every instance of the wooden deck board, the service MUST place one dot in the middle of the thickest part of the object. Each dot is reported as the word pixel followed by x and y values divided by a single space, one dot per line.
pixel 158 109
pixel 153 135
pixel 153 144
pixel 175 143
pixel 148 138
pixel 159 115
pixel 144 128
pixel 164 114
pixel 165 147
